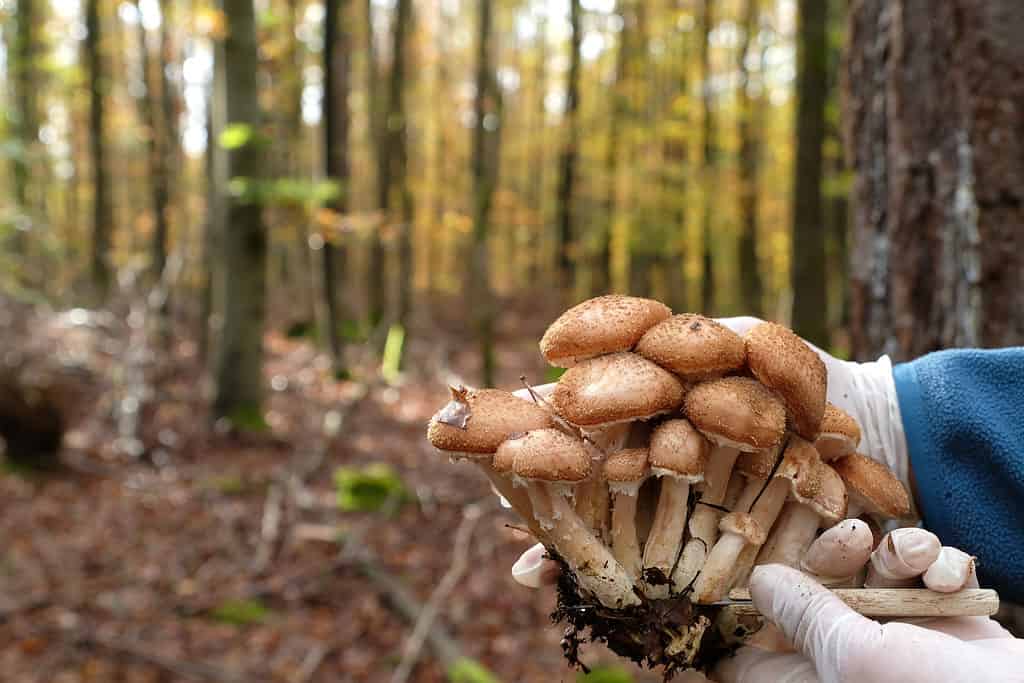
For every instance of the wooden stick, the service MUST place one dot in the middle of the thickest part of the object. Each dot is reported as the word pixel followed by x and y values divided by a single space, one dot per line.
pixel 892 603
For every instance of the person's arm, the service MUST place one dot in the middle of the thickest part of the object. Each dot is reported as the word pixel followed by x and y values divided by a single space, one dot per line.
pixel 963 417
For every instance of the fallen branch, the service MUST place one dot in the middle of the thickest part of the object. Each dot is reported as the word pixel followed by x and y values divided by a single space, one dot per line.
pixel 471 514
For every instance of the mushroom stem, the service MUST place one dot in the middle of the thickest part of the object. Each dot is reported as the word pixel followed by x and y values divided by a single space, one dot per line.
pixel 713 581
pixel 703 523
pixel 595 567
pixel 625 543
pixel 516 497
pixel 723 563
pixel 791 536
pixel 592 503
pixel 666 535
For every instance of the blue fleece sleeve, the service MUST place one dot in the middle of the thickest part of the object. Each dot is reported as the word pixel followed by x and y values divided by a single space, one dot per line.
pixel 963 415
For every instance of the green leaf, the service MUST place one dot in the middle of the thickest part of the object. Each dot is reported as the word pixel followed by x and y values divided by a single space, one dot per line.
pixel 605 674
pixel 369 488
pixel 552 374
pixel 241 612
pixel 466 670
pixel 236 135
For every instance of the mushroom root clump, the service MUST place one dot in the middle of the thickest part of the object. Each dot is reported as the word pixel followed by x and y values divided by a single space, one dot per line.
pixel 671 456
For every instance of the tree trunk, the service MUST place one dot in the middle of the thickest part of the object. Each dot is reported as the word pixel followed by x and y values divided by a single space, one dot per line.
pixel 103 212
pixel 601 282
pixel 240 367
pixel 810 305
pixel 335 125
pixel 751 286
pixel 709 160
pixel 540 259
pixel 398 154
pixel 157 155
pixel 570 153
pixel 26 128
pixel 484 170
pixel 933 93
pixel 377 289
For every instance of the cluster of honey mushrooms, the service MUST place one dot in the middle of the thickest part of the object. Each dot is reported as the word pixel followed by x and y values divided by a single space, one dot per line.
pixel 671 456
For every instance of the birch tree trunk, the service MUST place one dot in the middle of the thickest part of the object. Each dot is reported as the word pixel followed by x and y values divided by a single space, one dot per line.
pixel 934 132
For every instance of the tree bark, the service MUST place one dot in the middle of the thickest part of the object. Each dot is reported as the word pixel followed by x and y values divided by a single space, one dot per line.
pixel 157 155
pixel 934 121
pixel 26 128
pixel 240 368
pixel 810 306
pixel 397 156
pixel 336 52
pixel 751 285
pixel 486 109
pixel 377 289
pixel 709 160
pixel 103 212
pixel 570 153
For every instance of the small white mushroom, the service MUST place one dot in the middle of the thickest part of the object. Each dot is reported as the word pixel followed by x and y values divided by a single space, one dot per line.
pixel 838 554
pixel 626 471
pixel 902 557
pixel 678 455
pixel 550 462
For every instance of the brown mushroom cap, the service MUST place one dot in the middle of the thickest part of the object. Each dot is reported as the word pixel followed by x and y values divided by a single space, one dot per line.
pixel 832 500
pixel 678 449
pixel 605 324
pixel 693 347
pixel 737 412
pixel 549 455
pixel 745 525
pixel 801 465
pixel 478 420
pixel 626 466
pixel 873 485
pixel 504 458
pixel 840 434
pixel 758 464
pixel 789 367
pixel 615 388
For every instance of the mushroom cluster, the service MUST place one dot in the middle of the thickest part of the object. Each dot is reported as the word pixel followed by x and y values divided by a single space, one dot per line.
pixel 671 457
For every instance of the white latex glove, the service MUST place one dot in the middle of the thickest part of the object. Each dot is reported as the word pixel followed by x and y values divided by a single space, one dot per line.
pixel 868 393
pixel 835 644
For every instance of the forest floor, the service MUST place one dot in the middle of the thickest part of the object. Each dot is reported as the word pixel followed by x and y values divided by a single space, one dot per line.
pixel 196 554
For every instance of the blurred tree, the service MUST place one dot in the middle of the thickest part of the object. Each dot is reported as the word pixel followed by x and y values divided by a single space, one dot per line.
pixel 395 177
pixel 376 285
pixel 244 237
pixel 336 51
pixel 103 210
pixel 22 68
pixel 810 304
pixel 158 151
pixel 836 176
pixel 933 93
pixel 486 129
pixel 709 159
pixel 749 117
pixel 570 154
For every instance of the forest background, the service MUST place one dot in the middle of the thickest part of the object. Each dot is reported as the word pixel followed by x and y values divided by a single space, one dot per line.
pixel 246 244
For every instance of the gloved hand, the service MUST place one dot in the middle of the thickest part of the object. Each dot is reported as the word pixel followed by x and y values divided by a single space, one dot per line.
pixel 835 644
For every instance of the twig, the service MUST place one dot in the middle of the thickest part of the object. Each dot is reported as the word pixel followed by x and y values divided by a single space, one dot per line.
pixel 311 662
pixel 425 621
pixel 270 529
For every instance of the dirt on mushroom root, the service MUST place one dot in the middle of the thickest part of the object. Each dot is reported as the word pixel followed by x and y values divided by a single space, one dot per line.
pixel 673 633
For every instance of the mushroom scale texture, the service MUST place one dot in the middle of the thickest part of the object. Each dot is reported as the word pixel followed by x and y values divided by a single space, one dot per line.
pixel 598 326
pixel 784 363
pixel 619 387
pixel 694 347
pixel 873 487
pixel 839 434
